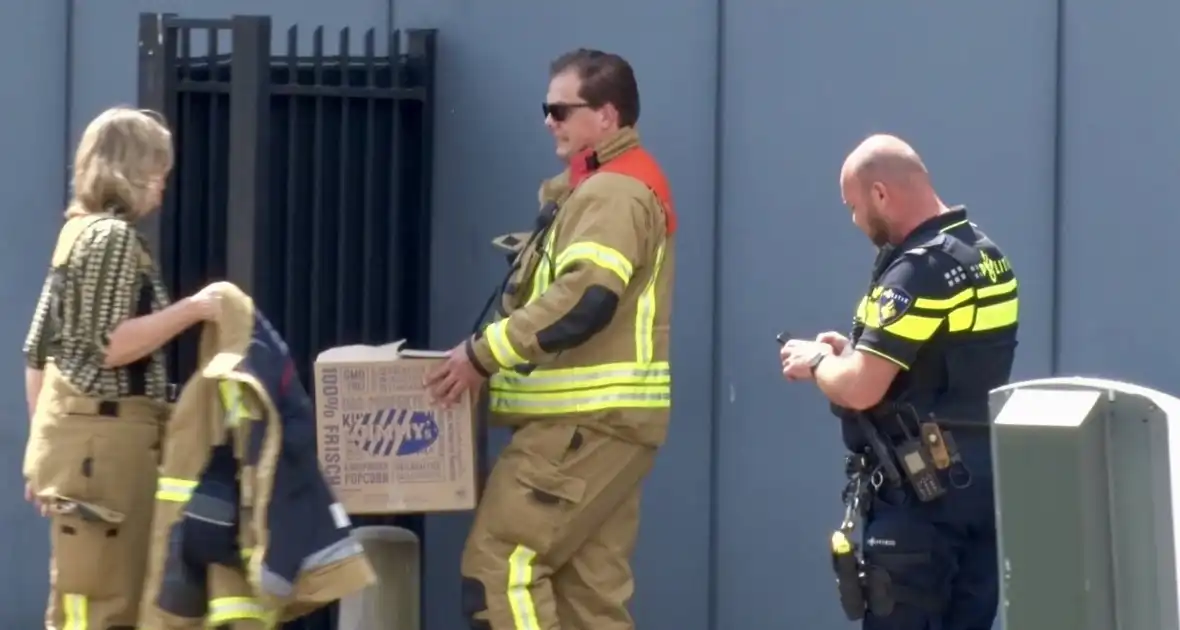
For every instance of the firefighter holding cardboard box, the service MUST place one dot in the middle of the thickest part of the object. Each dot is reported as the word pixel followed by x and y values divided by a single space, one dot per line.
pixel 578 367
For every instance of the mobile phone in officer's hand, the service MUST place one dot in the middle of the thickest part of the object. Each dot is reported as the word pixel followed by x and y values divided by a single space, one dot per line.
pixel 782 338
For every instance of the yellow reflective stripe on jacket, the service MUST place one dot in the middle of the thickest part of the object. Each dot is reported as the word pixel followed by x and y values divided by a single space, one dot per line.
pixel 231 400
pixel 520 596
pixel 584 389
pixel 544 269
pixel 645 314
pixel 975 318
pixel 501 345
pixel 175 490
pixel 586 378
pixel 223 610
pixel 636 384
pixel 606 257
pixel 909 326
pixel 611 397
pixel 76 610
pixel 237 407
pixel 960 315
pixel 955 225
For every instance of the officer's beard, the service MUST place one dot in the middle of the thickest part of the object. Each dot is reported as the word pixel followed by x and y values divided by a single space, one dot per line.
pixel 878 231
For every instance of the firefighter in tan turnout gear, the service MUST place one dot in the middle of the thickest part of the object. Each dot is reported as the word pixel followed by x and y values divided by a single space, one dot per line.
pixel 96 385
pixel 578 367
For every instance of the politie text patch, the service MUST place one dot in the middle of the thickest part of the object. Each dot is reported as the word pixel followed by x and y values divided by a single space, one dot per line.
pixel 892 304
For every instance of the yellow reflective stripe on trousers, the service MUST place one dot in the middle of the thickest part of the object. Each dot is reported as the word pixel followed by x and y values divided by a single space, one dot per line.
pixel 223 610
pixel 175 490
pixel 501 345
pixel 645 314
pixel 76 610
pixel 520 598
pixel 606 257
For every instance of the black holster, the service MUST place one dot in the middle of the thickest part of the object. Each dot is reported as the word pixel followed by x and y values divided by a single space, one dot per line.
pixel 850 583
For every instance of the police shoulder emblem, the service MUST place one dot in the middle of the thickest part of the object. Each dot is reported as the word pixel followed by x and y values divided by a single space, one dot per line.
pixel 892 304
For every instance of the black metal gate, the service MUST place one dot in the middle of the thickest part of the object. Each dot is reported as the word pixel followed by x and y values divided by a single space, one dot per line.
pixel 304 179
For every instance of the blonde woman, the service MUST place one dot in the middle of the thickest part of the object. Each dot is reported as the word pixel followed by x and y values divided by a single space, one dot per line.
pixel 95 379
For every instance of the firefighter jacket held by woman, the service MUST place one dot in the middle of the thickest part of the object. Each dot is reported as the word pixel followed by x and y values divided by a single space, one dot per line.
pixel 246 530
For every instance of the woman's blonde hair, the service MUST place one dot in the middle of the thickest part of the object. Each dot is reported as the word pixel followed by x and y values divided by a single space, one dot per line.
pixel 121 152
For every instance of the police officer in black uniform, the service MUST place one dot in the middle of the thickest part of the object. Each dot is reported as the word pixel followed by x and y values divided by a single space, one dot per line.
pixel 935 332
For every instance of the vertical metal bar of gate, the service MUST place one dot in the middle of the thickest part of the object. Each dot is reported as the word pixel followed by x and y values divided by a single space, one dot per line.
pixel 157 92
pixel 248 205
pixel 420 56
pixel 347 267
pixel 369 303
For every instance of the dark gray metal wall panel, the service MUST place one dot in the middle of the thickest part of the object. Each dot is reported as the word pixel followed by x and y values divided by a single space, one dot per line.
pixel 32 174
pixel 1121 183
pixel 492 153
pixel 972 85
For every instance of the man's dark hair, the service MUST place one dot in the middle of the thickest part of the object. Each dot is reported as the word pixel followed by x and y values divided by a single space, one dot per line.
pixel 606 78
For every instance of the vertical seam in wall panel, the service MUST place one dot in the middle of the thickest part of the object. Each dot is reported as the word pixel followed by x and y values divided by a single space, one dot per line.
pixel 718 265
pixel 68 105
pixel 1058 212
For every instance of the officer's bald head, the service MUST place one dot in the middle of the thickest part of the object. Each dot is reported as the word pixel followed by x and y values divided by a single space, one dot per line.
pixel 887 186
pixel 887 159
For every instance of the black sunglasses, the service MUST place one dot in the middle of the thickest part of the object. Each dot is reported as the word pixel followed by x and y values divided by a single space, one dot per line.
pixel 560 111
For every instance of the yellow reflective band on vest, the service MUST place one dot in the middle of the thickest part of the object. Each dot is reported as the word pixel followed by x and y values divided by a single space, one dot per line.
pixel 605 257
pixel 544 266
pixel 236 408
pixel 991 316
pixel 77 612
pixel 175 490
pixel 583 389
pixel 639 384
pixel 223 610
pixel 502 349
pixel 520 596
pixel 645 315
pixel 959 315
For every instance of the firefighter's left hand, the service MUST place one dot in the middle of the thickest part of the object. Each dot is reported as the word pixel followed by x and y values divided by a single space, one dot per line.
pixel 456 375
pixel 796 356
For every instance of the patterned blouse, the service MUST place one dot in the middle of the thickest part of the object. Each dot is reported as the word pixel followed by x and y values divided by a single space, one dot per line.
pixel 103 283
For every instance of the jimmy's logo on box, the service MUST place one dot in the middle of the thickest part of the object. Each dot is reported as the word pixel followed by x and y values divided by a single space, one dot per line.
pixel 388 432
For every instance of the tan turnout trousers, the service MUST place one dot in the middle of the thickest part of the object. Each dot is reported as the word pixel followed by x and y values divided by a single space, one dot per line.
pixel 93 464
pixel 554 532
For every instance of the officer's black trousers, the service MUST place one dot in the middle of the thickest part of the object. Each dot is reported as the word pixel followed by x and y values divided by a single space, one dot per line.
pixel 943 551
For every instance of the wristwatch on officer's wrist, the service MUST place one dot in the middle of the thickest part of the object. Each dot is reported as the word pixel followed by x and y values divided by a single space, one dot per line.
pixel 816 360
